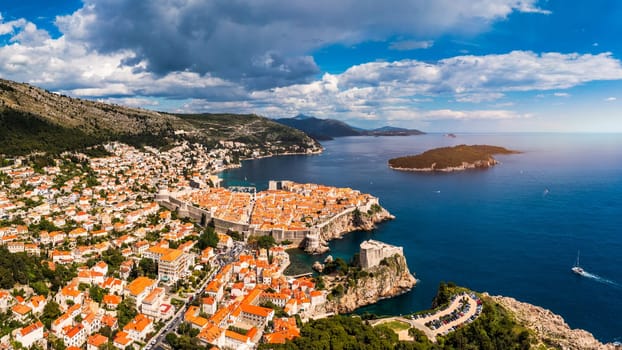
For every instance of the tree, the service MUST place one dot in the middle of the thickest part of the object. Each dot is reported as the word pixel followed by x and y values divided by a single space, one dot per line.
pixel 266 242
pixel 208 238
pixel 40 287
pixel 148 267
pixel 51 311
pixel 126 311
pixel 96 293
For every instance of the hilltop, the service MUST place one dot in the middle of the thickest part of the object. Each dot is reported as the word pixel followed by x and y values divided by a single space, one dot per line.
pixel 459 157
pixel 327 129
pixel 34 119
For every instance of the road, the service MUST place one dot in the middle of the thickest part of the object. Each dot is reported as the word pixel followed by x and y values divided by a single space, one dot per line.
pixel 433 333
pixel 158 340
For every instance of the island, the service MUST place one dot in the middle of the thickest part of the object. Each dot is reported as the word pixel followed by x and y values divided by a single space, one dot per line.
pixel 448 159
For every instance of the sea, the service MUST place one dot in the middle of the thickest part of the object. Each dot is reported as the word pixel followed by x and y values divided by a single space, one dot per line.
pixel 514 229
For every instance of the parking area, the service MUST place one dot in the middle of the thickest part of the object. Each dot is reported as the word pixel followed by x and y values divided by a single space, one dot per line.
pixel 463 308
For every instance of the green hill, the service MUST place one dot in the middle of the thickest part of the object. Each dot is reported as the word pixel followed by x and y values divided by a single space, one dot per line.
pixel 327 129
pixel 439 159
pixel 33 119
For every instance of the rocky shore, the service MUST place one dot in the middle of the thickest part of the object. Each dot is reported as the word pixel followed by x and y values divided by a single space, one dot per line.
pixel 344 224
pixel 383 281
pixel 550 329
pixel 480 164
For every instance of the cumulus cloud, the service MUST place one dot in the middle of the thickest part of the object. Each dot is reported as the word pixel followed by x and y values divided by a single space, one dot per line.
pixel 264 43
pixel 407 45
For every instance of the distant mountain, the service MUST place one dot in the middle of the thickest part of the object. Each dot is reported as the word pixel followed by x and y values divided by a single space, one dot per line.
pixel 319 129
pixel 33 119
pixel 327 129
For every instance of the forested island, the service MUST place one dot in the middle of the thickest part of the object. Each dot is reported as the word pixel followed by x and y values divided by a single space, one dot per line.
pixel 446 159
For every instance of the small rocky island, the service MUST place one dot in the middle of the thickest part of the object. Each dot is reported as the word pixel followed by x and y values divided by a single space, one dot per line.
pixel 447 159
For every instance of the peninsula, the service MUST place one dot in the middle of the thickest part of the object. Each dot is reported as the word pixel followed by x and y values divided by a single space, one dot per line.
pixel 308 215
pixel 448 159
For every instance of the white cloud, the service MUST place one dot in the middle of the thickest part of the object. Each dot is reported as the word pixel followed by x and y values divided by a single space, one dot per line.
pixel 610 99
pixel 479 97
pixel 471 115
pixel 266 43
pixel 529 7
pixel 407 45
pixel 561 94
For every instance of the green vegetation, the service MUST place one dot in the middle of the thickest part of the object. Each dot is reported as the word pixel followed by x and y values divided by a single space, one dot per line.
pixel 26 269
pixel 265 242
pixel 51 311
pixel 494 329
pixel 22 133
pixel 147 267
pixel 397 326
pixel 208 238
pixel 96 293
pixel 256 130
pixel 340 332
pixel 235 235
pixel 126 311
pixel 113 258
pixel 447 157
pixel 187 339
pixel 374 209
pixel 32 119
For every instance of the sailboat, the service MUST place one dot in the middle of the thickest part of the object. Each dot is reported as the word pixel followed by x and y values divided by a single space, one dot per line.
pixel 576 268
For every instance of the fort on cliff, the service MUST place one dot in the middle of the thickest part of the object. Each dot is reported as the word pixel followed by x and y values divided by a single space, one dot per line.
pixel 373 252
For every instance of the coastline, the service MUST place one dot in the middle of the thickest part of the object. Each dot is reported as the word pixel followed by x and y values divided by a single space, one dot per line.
pixel 508 291
pixel 239 165
pixel 463 167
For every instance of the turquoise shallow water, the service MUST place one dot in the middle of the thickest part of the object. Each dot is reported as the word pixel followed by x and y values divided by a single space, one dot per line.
pixel 512 230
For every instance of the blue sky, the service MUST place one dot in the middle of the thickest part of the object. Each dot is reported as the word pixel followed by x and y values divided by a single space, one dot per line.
pixel 436 65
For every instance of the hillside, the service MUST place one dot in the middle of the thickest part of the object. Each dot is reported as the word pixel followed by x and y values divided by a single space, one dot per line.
pixel 33 119
pixel 459 157
pixel 503 323
pixel 327 129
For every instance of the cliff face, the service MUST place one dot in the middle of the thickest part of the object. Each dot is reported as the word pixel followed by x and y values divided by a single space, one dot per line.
pixel 549 328
pixel 347 223
pixel 383 281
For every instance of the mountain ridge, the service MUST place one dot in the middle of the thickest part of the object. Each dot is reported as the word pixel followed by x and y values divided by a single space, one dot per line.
pixel 33 119
pixel 327 129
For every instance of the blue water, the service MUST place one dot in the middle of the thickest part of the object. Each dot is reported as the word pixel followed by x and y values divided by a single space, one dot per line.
pixel 512 230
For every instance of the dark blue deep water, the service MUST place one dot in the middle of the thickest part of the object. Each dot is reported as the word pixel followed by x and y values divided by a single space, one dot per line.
pixel 512 230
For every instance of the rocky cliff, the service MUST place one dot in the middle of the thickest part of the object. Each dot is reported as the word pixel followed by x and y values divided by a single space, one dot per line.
pixel 550 329
pixel 479 164
pixel 346 223
pixel 389 279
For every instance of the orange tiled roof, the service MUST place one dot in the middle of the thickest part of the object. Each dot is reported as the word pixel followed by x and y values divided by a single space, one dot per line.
pixel 21 309
pixel 138 285
pixel 97 340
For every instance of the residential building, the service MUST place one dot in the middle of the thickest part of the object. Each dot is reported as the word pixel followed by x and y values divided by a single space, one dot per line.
pixel 30 334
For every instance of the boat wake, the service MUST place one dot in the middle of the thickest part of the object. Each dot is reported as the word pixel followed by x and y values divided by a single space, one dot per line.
pixel 599 279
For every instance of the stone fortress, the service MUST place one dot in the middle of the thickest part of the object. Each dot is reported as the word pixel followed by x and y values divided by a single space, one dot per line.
pixel 373 252
pixel 313 236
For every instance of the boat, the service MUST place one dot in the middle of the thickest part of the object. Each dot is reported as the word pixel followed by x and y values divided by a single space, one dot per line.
pixel 576 268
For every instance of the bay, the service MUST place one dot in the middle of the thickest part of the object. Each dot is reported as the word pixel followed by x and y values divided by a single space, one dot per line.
pixel 511 230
